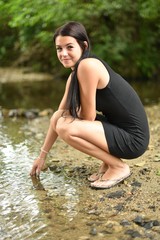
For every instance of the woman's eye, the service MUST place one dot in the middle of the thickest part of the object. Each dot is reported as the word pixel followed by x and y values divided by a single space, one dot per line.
pixel 70 47
pixel 58 49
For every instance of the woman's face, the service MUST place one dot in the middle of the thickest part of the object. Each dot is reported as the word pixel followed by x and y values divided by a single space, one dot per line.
pixel 68 51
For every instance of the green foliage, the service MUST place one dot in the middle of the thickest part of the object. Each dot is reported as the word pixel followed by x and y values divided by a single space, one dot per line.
pixel 125 33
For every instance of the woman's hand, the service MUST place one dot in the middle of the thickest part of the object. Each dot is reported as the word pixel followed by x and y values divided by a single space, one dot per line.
pixel 37 167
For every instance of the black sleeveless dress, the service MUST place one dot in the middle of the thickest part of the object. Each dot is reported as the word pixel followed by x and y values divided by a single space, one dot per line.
pixel 123 117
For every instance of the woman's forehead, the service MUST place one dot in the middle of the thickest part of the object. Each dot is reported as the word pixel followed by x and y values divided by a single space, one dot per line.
pixel 64 40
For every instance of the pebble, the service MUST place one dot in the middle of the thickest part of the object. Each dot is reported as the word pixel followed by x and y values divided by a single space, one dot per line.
pixel 147 224
pixel 93 231
pixel 117 194
pixel 133 233
pixel 136 184
pixel 26 113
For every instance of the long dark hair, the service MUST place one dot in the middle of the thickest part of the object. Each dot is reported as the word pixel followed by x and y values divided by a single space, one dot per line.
pixel 77 31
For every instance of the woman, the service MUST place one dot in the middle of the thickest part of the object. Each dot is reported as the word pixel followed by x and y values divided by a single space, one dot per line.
pixel 120 130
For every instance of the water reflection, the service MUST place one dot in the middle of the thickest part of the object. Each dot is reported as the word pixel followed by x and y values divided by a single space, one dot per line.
pixel 43 94
pixel 24 202
pixel 47 94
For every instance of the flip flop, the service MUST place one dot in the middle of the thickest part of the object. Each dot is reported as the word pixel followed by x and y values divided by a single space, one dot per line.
pixel 95 176
pixel 105 184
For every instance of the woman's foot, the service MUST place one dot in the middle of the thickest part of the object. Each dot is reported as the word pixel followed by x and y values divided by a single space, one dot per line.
pixel 112 177
pixel 95 176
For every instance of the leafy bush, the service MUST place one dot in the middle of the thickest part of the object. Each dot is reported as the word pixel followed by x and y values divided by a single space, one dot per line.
pixel 125 33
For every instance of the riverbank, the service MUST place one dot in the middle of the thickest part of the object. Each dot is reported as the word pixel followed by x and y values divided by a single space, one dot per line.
pixel 127 211
pixel 11 74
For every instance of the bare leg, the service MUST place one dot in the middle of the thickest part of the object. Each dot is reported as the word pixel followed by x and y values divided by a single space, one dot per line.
pixel 89 137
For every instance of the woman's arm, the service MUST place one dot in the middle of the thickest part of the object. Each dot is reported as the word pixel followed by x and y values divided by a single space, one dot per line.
pixel 88 78
pixel 51 135
pixel 92 75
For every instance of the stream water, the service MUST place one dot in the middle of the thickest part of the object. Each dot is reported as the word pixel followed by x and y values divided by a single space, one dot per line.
pixel 25 208
pixel 31 208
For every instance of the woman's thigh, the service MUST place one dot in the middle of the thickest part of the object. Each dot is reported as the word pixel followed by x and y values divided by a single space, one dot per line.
pixel 91 131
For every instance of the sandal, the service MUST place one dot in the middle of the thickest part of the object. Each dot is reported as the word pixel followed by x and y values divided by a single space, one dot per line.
pixel 95 176
pixel 105 184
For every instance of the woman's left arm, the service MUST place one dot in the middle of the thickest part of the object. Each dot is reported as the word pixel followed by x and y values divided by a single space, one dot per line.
pixel 88 78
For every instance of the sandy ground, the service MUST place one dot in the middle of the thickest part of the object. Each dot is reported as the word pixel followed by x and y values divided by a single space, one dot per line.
pixel 130 209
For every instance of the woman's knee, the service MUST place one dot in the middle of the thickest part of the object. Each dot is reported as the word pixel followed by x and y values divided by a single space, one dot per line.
pixel 65 129
pixel 53 120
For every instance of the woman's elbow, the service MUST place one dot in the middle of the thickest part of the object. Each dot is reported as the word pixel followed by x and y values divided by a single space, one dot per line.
pixel 89 117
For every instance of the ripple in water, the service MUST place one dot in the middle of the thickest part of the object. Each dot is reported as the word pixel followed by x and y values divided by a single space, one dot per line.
pixel 22 206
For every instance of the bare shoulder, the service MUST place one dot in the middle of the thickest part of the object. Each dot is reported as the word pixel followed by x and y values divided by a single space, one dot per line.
pixel 90 63
pixel 94 69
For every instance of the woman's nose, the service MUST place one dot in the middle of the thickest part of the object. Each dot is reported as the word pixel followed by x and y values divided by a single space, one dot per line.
pixel 64 52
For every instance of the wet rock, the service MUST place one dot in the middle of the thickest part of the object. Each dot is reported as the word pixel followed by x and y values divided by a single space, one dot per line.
pixel 93 231
pixel 139 221
pixel 156 223
pixel 53 167
pixel 147 224
pixel 31 114
pixel 13 113
pixel 117 194
pixel 125 222
pixel 136 184
pixel 46 112
pixel 133 233
pixel 119 207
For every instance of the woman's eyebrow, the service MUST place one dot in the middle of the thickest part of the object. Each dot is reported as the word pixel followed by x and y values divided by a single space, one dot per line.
pixel 65 45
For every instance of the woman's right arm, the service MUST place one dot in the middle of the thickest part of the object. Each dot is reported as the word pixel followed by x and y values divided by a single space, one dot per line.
pixel 51 134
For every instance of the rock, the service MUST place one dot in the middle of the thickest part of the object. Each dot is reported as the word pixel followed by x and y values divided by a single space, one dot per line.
pixel 113 226
pixel 13 113
pixel 136 184
pixel 125 222
pixel 119 207
pixel 148 224
pixel 93 231
pixel 139 221
pixel 45 112
pixel 31 114
pixel 117 194
pixel 133 233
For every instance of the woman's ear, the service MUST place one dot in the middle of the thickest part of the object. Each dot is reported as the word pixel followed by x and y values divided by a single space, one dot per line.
pixel 85 44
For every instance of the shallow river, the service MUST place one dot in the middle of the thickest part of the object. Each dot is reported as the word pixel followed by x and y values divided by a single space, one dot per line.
pixel 26 211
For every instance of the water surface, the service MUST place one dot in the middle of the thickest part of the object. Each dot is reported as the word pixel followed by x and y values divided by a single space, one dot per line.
pixel 47 94
pixel 26 211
